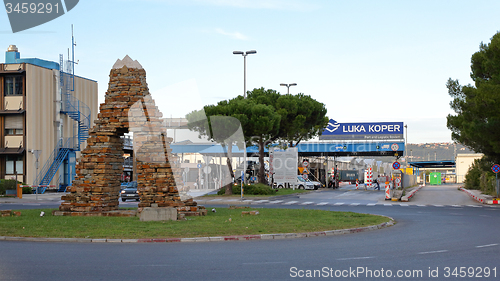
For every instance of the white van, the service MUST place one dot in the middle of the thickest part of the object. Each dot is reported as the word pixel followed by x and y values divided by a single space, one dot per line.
pixel 300 184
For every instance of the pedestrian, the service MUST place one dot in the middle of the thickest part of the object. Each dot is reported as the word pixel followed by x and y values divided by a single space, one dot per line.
pixel 378 185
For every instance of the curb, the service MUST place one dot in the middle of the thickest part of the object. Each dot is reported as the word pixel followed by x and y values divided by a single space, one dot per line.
pixel 210 239
pixel 479 198
pixel 406 198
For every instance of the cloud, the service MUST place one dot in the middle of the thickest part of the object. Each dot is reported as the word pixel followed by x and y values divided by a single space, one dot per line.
pixel 234 35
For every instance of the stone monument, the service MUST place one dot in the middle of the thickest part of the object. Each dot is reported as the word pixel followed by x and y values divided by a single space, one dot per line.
pixel 128 107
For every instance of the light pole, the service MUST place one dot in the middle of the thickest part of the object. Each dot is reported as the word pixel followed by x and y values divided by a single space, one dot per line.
pixel 244 54
pixel 288 87
pixel 406 140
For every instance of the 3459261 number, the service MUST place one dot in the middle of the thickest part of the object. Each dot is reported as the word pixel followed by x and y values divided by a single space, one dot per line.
pixel 32 8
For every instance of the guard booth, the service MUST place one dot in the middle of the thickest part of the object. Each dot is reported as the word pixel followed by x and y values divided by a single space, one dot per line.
pixel 435 178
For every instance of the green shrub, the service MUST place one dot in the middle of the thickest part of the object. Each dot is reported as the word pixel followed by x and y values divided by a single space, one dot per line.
pixel 253 189
pixel 9 185
pixel 27 190
pixel 481 177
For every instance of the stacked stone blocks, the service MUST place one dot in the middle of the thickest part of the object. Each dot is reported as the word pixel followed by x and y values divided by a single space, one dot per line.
pixel 128 107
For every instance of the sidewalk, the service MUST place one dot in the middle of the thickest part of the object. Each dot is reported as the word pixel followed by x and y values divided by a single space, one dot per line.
pixel 33 198
pixel 480 197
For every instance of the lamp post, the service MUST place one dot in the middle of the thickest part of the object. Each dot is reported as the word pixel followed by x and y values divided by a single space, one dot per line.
pixel 244 54
pixel 406 141
pixel 288 87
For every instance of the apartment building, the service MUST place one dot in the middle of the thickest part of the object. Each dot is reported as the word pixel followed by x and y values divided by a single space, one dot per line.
pixel 45 115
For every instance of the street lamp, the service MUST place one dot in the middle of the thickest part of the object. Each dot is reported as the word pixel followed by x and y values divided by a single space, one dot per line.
pixel 288 86
pixel 244 54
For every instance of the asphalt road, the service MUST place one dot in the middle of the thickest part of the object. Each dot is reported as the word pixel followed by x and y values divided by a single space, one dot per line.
pixel 428 240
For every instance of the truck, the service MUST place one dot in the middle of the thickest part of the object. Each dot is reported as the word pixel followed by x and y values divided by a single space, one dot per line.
pixel 348 176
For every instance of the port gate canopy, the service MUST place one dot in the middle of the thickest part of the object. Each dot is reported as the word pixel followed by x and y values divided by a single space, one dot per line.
pixel 433 164
pixel 388 148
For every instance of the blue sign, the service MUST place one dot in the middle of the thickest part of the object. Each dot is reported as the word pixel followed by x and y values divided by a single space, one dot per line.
pixel 368 131
pixel 396 165
pixel 199 165
pixel 495 168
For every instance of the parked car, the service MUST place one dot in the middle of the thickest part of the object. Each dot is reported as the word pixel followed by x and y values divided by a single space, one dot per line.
pixel 317 184
pixel 300 184
pixel 130 192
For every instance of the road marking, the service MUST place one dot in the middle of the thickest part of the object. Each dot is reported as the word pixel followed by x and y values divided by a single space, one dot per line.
pixel 322 204
pixel 371 204
pixel 290 202
pixel 438 205
pixel 215 200
pixel 31 204
pixel 433 252
pixel 387 204
pixel 261 201
pixel 338 204
pixel 421 205
pixel 475 206
pixel 266 262
pixel 354 204
pixel 277 201
pixel 306 203
pixel 232 200
pixel 404 205
pixel 489 245
pixel 359 258
pixel 458 206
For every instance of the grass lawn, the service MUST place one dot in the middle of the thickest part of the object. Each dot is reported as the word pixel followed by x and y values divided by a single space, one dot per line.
pixel 224 222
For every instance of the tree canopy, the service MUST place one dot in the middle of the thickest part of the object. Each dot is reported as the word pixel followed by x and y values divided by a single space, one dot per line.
pixel 477 107
pixel 265 117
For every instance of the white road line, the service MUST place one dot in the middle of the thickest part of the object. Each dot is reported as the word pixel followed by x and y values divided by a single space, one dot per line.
pixel 489 245
pixel 354 204
pixel 458 206
pixel 433 252
pixel 322 204
pixel 371 204
pixel 232 200
pixel 290 202
pixel 421 205
pixel 261 201
pixel 438 205
pixel 475 206
pixel 266 262
pixel 215 200
pixel 31 204
pixel 277 201
pixel 338 204
pixel 387 204
pixel 306 203
pixel 404 205
pixel 359 258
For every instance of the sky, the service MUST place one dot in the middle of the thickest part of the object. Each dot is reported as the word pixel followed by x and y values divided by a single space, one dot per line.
pixel 367 61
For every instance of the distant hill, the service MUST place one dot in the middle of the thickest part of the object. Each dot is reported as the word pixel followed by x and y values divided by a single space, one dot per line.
pixel 430 152
pixel 435 151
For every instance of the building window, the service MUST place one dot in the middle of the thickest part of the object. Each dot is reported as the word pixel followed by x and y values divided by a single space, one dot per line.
pixel 13 125
pixel 14 165
pixel 13 86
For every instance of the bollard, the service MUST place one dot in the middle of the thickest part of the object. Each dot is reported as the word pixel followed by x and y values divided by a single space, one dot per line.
pixel 387 191
pixel 19 191
pixel 357 184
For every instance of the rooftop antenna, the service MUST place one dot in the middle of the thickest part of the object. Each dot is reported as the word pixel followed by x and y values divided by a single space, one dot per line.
pixel 71 63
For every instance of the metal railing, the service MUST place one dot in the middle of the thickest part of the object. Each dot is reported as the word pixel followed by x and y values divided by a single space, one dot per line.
pixel 52 158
